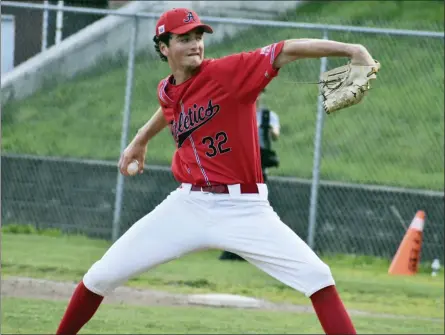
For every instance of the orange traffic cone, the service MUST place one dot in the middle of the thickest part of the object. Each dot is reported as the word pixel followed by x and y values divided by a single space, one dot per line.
pixel 406 260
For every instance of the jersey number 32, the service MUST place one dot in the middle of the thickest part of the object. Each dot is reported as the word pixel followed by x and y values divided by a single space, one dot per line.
pixel 216 144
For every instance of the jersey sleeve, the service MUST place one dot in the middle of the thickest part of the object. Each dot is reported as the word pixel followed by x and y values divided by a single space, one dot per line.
pixel 246 74
pixel 162 96
pixel 165 102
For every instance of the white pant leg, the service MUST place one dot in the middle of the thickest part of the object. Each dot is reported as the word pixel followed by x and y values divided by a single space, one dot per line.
pixel 249 227
pixel 173 228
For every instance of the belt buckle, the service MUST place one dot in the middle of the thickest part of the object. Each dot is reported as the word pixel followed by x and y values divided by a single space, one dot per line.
pixel 205 189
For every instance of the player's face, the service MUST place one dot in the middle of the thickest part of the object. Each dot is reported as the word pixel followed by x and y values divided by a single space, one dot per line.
pixel 187 51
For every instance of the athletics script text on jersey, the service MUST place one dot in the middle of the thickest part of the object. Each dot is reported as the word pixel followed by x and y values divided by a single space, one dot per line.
pixel 191 119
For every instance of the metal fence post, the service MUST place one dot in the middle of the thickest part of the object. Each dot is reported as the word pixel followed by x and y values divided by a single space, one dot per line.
pixel 45 27
pixel 125 126
pixel 317 158
pixel 59 22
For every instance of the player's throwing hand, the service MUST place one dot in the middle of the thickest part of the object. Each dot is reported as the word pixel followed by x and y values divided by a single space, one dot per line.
pixel 134 151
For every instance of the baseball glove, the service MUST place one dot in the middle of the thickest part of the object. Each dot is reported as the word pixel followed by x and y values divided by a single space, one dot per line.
pixel 346 85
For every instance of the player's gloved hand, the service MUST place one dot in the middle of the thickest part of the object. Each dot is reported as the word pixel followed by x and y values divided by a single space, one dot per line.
pixel 134 151
pixel 347 85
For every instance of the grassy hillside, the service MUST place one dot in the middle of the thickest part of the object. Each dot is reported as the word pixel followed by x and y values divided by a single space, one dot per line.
pixel 394 138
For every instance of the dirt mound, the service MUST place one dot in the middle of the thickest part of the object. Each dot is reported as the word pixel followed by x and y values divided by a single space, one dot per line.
pixel 55 290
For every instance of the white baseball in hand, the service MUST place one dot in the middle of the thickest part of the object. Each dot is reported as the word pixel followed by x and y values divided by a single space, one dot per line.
pixel 133 168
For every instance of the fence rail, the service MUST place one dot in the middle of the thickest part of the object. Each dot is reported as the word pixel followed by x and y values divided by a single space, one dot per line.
pixel 327 147
pixel 236 21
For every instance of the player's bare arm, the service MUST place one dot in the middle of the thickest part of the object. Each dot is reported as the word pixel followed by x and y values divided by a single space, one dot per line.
pixel 137 148
pixel 150 129
pixel 317 48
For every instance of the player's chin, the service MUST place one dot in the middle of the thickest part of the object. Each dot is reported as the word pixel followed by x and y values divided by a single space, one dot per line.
pixel 194 62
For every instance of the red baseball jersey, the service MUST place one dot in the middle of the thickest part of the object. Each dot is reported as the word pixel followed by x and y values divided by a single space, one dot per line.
pixel 212 117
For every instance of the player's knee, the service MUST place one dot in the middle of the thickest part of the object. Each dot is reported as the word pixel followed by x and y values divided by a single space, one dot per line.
pixel 323 271
pixel 101 279
pixel 318 277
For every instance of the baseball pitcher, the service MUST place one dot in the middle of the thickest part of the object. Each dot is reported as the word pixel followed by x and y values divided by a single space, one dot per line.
pixel 221 200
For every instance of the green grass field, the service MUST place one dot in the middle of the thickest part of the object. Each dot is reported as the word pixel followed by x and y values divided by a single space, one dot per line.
pixel 363 283
pixel 21 316
pixel 395 137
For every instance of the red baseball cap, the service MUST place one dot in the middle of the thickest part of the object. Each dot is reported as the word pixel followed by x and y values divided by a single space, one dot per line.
pixel 180 21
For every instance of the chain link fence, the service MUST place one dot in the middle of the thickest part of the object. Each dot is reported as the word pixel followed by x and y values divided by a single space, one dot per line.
pixel 347 183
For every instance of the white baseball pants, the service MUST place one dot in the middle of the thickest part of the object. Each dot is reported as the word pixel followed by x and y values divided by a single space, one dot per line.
pixel 188 221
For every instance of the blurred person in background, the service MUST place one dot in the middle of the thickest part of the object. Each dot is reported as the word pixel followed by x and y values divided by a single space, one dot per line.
pixel 268 130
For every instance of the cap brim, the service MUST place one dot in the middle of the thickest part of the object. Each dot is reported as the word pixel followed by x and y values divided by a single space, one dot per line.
pixel 188 27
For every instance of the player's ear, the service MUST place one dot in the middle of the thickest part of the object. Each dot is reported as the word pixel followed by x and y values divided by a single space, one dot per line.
pixel 163 48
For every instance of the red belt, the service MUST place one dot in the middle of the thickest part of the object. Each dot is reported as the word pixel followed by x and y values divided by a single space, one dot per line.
pixel 224 189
